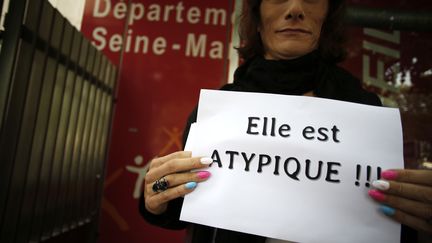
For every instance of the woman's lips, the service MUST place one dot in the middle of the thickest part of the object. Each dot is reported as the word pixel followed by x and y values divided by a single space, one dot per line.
pixel 293 31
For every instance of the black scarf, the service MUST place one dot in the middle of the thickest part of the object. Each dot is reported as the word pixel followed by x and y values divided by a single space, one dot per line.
pixel 299 76
pixel 294 77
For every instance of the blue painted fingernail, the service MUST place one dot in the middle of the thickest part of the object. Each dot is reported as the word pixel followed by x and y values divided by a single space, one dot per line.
pixel 387 210
pixel 191 185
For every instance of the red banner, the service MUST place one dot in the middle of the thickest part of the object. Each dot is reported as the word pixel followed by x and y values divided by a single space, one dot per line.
pixel 172 49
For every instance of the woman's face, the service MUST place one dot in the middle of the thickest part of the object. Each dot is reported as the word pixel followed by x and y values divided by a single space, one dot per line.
pixel 291 28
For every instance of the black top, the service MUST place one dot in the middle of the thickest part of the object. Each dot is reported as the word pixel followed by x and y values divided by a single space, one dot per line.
pixel 291 77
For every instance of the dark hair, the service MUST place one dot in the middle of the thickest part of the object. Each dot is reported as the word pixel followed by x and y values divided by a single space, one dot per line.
pixel 332 39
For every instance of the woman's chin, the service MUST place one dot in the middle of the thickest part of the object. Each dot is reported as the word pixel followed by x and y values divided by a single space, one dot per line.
pixel 292 52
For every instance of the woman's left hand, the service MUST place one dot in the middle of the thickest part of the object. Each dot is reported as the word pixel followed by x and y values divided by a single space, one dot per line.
pixel 406 196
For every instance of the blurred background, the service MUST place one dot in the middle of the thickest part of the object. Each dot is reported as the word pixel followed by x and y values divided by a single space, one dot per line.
pixel 91 90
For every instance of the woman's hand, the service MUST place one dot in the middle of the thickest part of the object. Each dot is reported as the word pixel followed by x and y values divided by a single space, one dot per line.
pixel 406 196
pixel 173 169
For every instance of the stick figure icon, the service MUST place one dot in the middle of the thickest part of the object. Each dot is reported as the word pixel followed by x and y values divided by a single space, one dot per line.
pixel 141 171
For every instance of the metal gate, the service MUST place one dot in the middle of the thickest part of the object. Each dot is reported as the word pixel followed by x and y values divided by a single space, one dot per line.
pixel 56 100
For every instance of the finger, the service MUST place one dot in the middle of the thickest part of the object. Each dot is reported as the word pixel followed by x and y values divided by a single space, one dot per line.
pixel 407 219
pixel 181 178
pixel 411 191
pixel 177 165
pixel 161 198
pixel 176 155
pixel 422 177
pixel 419 209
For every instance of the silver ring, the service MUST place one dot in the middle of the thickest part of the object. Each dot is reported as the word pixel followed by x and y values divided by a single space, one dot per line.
pixel 160 185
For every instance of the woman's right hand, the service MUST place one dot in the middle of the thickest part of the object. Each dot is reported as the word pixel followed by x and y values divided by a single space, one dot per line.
pixel 176 169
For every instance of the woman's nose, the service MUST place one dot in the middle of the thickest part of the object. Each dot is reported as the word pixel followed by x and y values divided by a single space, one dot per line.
pixel 294 10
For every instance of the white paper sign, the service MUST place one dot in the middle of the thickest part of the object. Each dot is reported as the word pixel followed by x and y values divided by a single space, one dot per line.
pixel 293 167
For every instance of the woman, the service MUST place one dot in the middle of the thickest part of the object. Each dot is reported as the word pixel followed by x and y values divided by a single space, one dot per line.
pixel 290 47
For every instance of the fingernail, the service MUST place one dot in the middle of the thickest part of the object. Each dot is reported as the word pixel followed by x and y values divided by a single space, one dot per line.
pixel 206 161
pixel 191 185
pixel 389 174
pixel 387 210
pixel 381 185
pixel 203 174
pixel 377 195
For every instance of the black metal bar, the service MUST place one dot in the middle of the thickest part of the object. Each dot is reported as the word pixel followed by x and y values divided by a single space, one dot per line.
pixel 89 176
pixel 86 136
pixel 59 224
pixel 52 148
pixel 100 108
pixel 389 19
pixel 35 138
pixel 84 60
pixel 15 127
pixel 107 114
pixel 72 138
pixel 8 54
pixel 40 154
